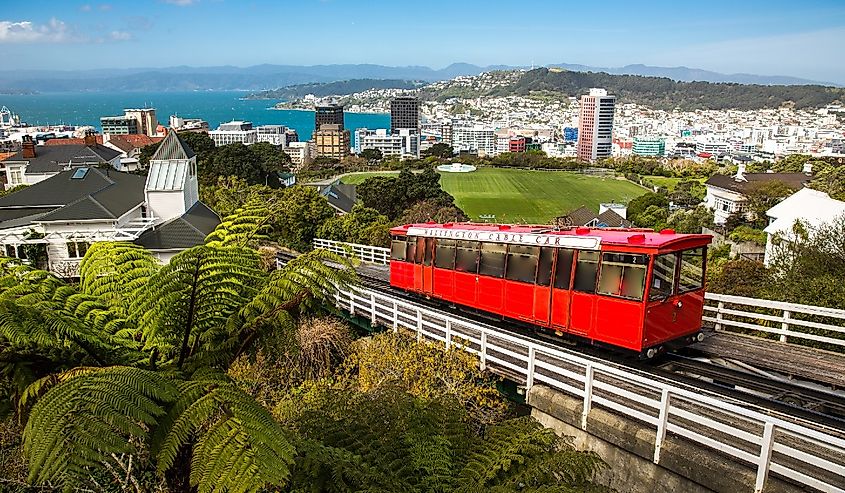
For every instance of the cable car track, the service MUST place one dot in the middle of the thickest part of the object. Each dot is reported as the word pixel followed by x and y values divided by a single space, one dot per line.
pixel 817 406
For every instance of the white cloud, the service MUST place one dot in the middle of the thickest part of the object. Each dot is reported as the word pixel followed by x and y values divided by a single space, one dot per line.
pixel 182 3
pixel 85 8
pixel 55 31
pixel 120 36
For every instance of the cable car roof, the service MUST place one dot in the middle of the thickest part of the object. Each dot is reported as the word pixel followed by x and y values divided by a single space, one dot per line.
pixel 539 235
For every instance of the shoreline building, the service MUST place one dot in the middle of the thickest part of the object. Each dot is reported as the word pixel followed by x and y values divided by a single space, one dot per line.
pixel 405 114
pixel 235 131
pixel 328 114
pixel 133 121
pixel 595 121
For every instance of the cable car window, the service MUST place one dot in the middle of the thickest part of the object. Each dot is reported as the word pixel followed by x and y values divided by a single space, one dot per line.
pixel 586 269
pixel 522 263
pixel 544 267
pixel 692 270
pixel 663 276
pixel 466 257
pixel 397 249
pixel 410 249
pixel 429 251
pixel 623 275
pixel 492 262
pixel 444 256
pixel 420 250
pixel 563 268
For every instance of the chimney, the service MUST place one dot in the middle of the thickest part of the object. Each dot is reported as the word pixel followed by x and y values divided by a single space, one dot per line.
pixel 740 172
pixel 28 147
pixel 90 139
pixel 808 168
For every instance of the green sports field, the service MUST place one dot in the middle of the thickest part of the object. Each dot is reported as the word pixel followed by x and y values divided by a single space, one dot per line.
pixel 523 196
pixel 358 178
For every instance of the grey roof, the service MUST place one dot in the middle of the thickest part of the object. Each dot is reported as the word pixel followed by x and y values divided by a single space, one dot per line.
pixel 100 194
pixel 54 158
pixel 611 219
pixel 579 217
pixel 338 198
pixel 173 147
pixel 793 180
pixel 185 231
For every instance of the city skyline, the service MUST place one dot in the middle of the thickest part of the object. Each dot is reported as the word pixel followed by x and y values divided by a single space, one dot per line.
pixel 764 38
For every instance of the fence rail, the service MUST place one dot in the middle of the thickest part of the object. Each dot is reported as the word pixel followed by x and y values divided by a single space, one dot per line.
pixel 766 443
pixel 725 312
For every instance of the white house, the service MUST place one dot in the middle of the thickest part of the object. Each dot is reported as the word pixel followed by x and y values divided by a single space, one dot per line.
pixel 809 206
pixel 726 195
pixel 85 204
pixel 33 164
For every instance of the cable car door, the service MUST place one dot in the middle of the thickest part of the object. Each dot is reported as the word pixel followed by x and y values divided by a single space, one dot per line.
pixel 428 266
pixel 561 294
pixel 419 254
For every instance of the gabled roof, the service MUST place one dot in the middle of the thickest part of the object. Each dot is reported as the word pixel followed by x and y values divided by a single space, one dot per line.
pixel 612 219
pixel 185 231
pixel 173 147
pixel 338 198
pixel 79 141
pixel 811 206
pixel 98 194
pixel 726 182
pixel 128 143
pixel 579 217
pixel 55 158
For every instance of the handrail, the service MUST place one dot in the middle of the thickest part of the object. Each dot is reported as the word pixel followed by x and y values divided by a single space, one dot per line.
pixel 723 317
pixel 803 452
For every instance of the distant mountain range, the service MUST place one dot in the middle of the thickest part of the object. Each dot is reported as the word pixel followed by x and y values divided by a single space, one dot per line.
pixel 264 77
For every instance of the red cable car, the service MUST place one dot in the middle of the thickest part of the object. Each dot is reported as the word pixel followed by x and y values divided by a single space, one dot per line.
pixel 631 288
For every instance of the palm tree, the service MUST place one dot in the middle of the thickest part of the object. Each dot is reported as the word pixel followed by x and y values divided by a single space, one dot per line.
pixel 132 361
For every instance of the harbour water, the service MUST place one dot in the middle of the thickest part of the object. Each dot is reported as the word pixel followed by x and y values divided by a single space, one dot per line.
pixel 215 107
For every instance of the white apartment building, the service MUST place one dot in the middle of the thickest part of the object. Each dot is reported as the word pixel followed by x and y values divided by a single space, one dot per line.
pixel 475 139
pixel 301 153
pixel 234 132
pixel 403 143
pixel 274 134
pixel 709 146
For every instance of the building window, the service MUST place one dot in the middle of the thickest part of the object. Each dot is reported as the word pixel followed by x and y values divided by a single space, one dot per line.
pixel 724 205
pixel 15 176
pixel 76 249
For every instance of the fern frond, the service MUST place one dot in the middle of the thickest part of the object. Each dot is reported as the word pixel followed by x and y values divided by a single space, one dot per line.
pixel 246 227
pixel 113 272
pixel 89 415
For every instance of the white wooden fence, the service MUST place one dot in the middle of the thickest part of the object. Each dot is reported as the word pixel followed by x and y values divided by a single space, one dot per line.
pixel 725 312
pixel 365 253
pixel 807 454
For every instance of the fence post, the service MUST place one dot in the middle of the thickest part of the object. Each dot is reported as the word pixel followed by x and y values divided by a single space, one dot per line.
pixel 395 317
pixel 719 308
pixel 352 303
pixel 529 378
pixel 419 325
pixel 588 395
pixel 448 334
pixel 373 309
pixel 662 420
pixel 785 325
pixel 483 352
pixel 765 457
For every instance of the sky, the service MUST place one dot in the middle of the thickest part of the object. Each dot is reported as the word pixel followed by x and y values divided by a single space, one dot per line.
pixel 801 38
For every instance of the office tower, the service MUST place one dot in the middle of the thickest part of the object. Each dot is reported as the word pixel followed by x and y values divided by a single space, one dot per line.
pixel 595 121
pixel 405 114
pixel 329 114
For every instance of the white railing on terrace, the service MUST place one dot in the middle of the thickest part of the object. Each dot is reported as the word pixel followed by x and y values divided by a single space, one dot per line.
pixel 727 313
pixel 365 253
pixel 807 455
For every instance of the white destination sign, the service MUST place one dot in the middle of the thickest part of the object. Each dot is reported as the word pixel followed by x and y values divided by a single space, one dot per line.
pixel 564 241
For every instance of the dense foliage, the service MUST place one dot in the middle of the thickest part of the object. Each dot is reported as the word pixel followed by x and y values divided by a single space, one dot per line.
pixel 392 196
pixel 667 94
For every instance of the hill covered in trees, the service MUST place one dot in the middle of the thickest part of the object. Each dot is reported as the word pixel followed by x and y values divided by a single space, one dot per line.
pixel 338 88
pixel 667 94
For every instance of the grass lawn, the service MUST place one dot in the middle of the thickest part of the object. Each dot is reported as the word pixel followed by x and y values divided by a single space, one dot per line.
pixel 523 196
pixel 358 178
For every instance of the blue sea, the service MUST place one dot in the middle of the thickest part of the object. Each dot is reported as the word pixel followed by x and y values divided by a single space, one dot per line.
pixel 215 107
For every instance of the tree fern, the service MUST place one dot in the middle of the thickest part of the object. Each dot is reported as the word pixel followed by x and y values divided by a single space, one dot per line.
pixel 247 226
pixel 114 272
pixel 240 447
pixel 79 422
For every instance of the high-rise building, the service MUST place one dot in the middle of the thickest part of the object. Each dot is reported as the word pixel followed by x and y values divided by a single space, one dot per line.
pixel 329 114
pixel 146 118
pixel 595 121
pixel 332 141
pixel 404 114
